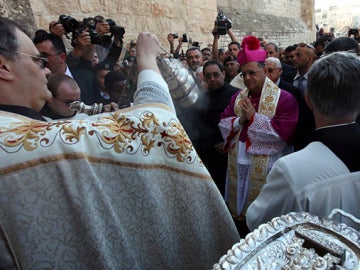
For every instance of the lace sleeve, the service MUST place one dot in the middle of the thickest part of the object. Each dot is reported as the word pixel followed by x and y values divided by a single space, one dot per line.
pixel 152 89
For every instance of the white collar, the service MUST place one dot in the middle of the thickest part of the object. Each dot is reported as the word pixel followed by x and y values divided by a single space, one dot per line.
pixel 337 125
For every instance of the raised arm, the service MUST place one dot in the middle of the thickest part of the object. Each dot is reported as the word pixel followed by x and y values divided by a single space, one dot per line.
pixel 151 87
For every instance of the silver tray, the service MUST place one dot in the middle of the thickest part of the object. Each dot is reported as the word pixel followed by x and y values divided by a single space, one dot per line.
pixel 295 241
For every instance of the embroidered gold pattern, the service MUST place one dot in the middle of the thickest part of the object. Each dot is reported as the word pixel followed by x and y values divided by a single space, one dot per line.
pixel 118 131
pixel 71 134
pixel 24 134
pixel 258 163
pixel 177 142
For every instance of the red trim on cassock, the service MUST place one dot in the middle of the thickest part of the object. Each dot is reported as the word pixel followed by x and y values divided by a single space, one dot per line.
pixel 230 136
pixel 247 140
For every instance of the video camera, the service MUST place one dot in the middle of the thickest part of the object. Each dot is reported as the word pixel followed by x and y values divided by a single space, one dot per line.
pixel 73 26
pixel 223 24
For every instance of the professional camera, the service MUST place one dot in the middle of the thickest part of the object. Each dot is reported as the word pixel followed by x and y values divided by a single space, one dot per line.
pixel 75 27
pixel 223 24
pixel 196 44
pixel 184 38
pixel 117 31
pixel 69 23
pixel 175 35
pixel 90 24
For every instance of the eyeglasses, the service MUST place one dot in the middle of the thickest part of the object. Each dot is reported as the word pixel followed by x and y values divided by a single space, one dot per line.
pixel 250 73
pixel 271 70
pixel 41 61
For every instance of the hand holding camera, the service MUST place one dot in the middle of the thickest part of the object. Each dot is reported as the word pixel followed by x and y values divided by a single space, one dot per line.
pixel 91 25
pixel 82 40
pixel 56 28
pixel 222 24
pixel 171 38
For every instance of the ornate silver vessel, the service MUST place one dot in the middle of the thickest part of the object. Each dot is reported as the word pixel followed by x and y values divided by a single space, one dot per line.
pixel 182 86
pixel 296 241
pixel 81 107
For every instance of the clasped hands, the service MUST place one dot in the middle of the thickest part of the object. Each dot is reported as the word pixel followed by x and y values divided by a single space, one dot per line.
pixel 248 110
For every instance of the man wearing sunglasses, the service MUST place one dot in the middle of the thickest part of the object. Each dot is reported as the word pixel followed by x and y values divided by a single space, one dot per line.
pixel 120 190
pixel 64 91
pixel 288 71
pixel 53 49
pixel 273 71
pixel 78 63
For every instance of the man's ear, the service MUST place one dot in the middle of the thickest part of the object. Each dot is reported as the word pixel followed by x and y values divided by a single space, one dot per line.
pixel 6 69
pixel 63 57
pixel 307 100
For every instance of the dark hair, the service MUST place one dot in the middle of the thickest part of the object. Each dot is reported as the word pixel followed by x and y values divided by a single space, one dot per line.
pixel 213 62
pixel 41 36
pixel 342 44
pixel 113 77
pixel 276 47
pixel 236 43
pixel 8 39
pixel 290 48
pixel 55 80
pixel 193 49
pixel 334 85
pixel 353 31
pixel 221 51
pixel 102 66
pixel 205 49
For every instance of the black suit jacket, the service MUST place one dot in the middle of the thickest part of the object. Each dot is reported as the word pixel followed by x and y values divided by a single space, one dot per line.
pixel 84 75
pixel 343 141
pixel 85 80
pixel 288 73
pixel 291 89
pixel 306 122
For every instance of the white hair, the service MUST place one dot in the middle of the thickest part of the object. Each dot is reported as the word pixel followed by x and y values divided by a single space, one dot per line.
pixel 274 60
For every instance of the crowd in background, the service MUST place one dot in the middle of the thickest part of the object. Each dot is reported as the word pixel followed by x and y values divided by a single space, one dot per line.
pixel 104 68
pixel 260 114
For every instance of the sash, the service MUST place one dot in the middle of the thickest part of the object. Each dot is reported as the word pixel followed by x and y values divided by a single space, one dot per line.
pixel 259 164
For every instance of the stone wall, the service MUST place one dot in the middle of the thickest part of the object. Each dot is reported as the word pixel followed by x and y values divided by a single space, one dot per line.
pixel 282 21
pixel 158 17
pixel 19 11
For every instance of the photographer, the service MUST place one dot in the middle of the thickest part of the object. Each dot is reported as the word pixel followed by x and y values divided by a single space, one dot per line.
pixel 171 38
pixel 121 190
pixel 78 63
pixel 102 28
pixel 223 27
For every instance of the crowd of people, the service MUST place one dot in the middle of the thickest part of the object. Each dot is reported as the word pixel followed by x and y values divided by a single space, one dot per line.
pixel 149 182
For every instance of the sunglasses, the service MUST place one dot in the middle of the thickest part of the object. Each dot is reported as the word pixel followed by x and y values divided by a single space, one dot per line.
pixel 271 70
pixel 66 102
